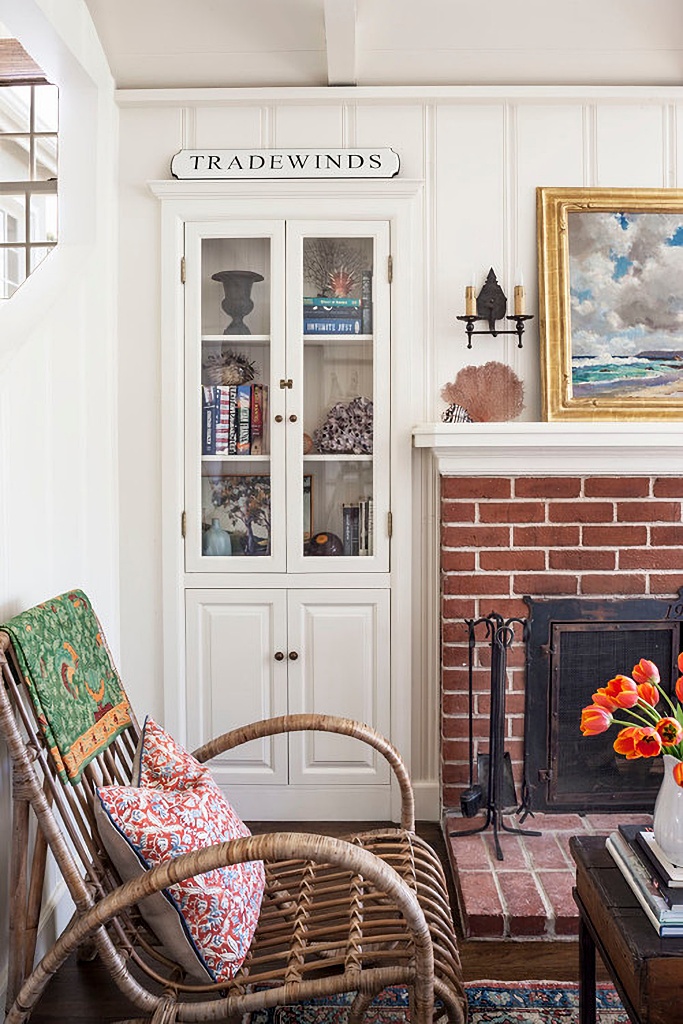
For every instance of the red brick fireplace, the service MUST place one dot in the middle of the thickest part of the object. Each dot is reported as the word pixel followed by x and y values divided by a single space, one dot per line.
pixel 506 537
pixel 543 510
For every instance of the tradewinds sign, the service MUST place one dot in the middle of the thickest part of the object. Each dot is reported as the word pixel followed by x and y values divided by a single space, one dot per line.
pixel 285 163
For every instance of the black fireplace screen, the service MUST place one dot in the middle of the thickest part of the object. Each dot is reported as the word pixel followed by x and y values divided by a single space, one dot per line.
pixel 574 646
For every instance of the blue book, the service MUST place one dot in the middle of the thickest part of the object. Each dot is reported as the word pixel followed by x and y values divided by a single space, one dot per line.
pixel 209 413
pixel 316 325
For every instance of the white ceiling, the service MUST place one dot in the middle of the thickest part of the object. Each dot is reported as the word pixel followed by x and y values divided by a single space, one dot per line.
pixel 222 43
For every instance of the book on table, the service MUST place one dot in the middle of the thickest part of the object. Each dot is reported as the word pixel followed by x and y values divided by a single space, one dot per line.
pixel 672 894
pixel 670 872
pixel 667 921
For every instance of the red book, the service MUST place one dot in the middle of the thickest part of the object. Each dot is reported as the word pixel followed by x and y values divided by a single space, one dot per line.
pixel 257 419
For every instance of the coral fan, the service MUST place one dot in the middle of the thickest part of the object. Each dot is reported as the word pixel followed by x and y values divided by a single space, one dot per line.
pixel 489 392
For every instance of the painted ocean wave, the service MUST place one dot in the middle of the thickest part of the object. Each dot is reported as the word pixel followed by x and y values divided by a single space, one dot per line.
pixel 621 373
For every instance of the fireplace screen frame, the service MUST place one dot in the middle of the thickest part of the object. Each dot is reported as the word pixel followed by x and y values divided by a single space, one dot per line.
pixel 549 621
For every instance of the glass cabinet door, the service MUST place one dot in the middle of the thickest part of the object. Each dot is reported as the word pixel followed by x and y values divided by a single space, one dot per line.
pixel 234 302
pixel 338 396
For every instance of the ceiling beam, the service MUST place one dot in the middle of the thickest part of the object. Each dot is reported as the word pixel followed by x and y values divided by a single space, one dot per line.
pixel 340 40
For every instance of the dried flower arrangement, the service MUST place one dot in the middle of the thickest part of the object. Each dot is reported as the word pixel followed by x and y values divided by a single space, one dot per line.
pixel 485 393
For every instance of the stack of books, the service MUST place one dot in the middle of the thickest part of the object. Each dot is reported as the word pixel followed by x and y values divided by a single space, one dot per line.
pixel 340 314
pixel 234 419
pixel 656 883
pixel 357 525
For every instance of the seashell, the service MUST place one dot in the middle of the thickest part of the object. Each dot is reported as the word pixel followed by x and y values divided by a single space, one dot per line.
pixel 456 414
pixel 347 428
pixel 342 281
pixel 308 444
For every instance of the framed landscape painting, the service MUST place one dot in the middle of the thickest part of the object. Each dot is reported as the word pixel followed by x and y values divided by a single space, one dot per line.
pixel 610 265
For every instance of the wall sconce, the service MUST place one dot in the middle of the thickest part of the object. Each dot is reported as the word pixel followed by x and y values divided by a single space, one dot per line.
pixel 491 304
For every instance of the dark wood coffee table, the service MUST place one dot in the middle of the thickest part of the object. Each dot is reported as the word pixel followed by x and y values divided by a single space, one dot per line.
pixel 647 971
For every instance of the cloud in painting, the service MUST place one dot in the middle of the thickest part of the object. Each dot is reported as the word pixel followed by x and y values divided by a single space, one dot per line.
pixel 626 271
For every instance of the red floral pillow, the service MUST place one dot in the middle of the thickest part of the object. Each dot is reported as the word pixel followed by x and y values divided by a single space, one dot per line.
pixel 207 922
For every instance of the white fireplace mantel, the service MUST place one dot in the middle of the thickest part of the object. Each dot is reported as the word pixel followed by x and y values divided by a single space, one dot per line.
pixel 554 449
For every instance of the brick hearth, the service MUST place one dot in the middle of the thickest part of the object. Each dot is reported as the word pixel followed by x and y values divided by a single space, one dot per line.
pixel 529 893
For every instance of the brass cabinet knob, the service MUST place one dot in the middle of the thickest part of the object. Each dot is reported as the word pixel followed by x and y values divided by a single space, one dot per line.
pixel 292 418
pixel 293 655
pixel 279 656
pixel 278 418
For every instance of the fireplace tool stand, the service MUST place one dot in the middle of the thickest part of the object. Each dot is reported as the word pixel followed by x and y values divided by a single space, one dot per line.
pixel 501 634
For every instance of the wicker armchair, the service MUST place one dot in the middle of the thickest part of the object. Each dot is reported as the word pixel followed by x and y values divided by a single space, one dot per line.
pixel 337 916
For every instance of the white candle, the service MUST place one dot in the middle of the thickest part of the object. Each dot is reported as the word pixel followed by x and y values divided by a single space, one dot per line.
pixel 470 301
pixel 519 303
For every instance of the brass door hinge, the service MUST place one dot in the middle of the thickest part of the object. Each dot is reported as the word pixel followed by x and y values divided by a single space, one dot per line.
pixel 390 524
pixel 183 524
pixel 390 269
pixel 288 383
pixel 183 270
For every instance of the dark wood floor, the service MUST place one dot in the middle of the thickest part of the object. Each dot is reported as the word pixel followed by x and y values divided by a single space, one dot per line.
pixel 84 993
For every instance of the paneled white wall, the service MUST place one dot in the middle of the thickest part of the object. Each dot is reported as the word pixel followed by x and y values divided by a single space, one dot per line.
pixel 481 153
pixel 58 495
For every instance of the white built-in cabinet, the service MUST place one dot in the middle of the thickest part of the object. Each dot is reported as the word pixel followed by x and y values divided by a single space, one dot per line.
pixel 280 569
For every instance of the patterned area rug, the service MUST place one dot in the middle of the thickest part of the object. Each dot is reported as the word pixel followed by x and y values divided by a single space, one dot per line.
pixel 490 1002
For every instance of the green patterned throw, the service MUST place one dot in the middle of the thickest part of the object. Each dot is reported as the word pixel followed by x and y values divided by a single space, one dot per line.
pixel 75 688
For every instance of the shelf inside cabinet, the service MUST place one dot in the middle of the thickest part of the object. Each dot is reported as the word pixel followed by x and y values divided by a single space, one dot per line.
pixel 238 339
pixel 338 457
pixel 334 339
pixel 235 458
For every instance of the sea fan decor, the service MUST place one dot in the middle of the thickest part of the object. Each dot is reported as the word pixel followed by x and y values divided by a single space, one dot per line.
pixel 347 428
pixel 487 393
pixel 228 367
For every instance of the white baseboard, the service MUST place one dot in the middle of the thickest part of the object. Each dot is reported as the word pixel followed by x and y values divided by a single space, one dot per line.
pixel 427 801
pixel 56 907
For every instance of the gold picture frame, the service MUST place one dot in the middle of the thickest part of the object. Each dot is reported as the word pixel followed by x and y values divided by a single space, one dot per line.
pixel 610 266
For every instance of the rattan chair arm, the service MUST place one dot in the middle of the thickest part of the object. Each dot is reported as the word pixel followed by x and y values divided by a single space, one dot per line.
pixel 320 723
pixel 268 846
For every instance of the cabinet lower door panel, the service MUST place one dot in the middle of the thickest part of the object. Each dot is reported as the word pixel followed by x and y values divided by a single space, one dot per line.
pixel 342 668
pixel 233 678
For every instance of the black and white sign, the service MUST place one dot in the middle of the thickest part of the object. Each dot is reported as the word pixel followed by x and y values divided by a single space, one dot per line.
pixel 285 163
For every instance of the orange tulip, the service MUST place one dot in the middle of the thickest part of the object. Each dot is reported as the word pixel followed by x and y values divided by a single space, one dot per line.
pixel 678 773
pixel 670 731
pixel 680 662
pixel 649 693
pixel 620 692
pixel 595 720
pixel 679 687
pixel 649 743
pixel 646 672
pixel 625 743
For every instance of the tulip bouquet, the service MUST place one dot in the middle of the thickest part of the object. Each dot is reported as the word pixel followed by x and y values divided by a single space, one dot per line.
pixel 648 733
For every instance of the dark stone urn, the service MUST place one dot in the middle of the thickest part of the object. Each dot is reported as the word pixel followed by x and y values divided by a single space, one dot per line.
pixel 237 302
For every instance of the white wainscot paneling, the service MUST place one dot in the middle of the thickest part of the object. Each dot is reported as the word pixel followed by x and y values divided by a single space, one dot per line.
pixel 308 125
pixel 630 146
pixel 550 148
pixel 229 127
pixel 149 136
pixel 400 126
pixel 469 230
